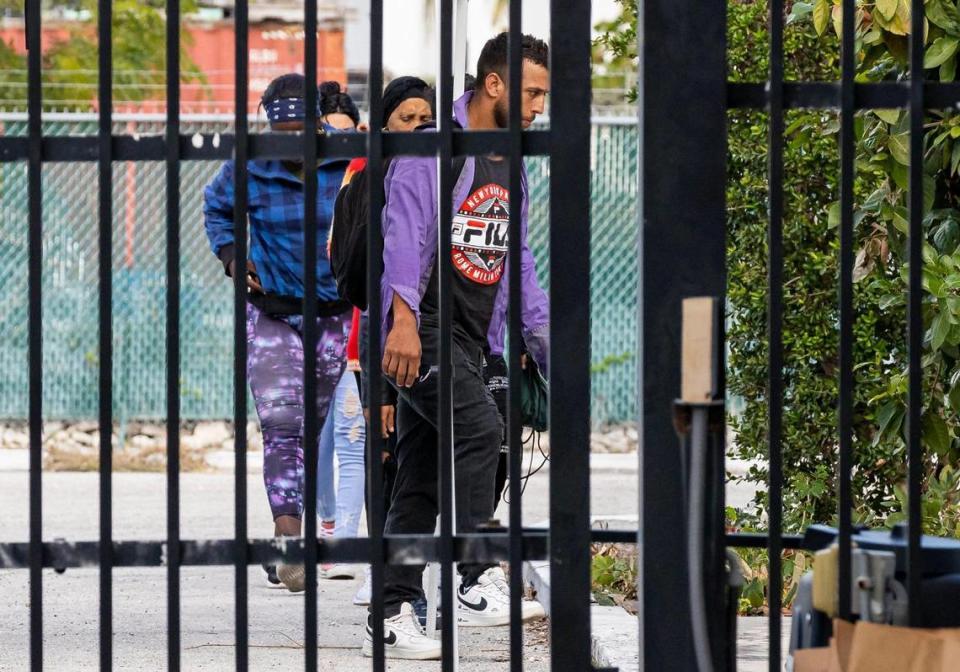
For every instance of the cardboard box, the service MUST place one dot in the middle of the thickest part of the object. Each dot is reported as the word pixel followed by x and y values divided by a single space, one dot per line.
pixel 868 647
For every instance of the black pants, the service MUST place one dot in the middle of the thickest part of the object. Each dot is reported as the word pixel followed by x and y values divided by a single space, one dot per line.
pixel 477 433
pixel 389 477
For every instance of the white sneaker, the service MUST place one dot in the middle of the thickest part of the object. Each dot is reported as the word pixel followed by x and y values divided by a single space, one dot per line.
pixel 336 572
pixel 487 603
pixel 529 609
pixel 403 638
pixel 362 598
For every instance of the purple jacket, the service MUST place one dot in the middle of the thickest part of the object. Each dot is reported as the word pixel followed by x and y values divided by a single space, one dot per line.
pixel 410 247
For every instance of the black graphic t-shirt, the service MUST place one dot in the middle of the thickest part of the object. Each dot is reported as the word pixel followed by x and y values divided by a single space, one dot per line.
pixel 478 251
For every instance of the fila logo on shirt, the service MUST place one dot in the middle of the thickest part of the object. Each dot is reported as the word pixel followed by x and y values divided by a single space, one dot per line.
pixel 479 234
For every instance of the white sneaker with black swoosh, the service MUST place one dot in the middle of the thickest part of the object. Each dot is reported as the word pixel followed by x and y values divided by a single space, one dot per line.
pixel 487 602
pixel 403 638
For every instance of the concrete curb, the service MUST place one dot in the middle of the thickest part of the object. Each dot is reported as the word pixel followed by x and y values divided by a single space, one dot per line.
pixel 614 638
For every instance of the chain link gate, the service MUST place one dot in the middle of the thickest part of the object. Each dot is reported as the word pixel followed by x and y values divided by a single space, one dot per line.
pixel 139 270
pixel 567 143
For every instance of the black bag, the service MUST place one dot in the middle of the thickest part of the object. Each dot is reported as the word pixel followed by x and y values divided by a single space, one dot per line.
pixel 534 405
pixel 348 239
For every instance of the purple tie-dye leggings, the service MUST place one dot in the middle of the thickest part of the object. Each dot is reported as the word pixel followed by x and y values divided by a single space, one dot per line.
pixel 275 372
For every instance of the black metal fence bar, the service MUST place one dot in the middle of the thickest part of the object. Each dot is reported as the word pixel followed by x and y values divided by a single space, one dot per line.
pixel 262 146
pixel 372 364
pixel 845 409
pixel 775 331
pixel 826 95
pixel 35 284
pixel 915 316
pixel 105 169
pixel 173 335
pixel 448 632
pixel 570 335
pixel 401 549
pixel 311 421
pixel 241 154
pixel 397 548
pixel 515 317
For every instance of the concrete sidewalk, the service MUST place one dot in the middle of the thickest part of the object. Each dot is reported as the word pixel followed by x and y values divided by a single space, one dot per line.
pixel 208 635
pixel 70 510
pixel 71 600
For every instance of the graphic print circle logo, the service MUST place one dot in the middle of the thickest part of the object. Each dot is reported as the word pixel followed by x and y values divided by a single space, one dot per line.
pixel 479 234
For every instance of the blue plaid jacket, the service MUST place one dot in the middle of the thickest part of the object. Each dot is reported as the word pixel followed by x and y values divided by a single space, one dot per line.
pixel 275 198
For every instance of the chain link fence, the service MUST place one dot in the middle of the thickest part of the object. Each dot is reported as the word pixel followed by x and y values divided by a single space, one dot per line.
pixel 70 268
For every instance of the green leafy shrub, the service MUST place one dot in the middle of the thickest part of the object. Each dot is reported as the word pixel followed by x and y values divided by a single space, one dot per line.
pixel 613 574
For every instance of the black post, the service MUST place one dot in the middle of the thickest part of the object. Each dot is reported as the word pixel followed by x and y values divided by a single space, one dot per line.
pixel 173 335
pixel 34 289
pixel 105 246
pixel 241 154
pixel 514 326
pixel 570 335
pixel 372 362
pixel 682 253
pixel 915 319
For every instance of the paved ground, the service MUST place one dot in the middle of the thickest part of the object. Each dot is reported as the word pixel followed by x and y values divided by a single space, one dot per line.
pixel 276 618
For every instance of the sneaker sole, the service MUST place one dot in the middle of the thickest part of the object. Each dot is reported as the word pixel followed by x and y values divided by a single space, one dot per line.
pixel 337 576
pixel 535 615
pixel 469 620
pixel 398 654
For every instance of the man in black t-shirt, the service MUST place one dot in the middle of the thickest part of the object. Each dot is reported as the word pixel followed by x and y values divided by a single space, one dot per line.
pixel 479 248
pixel 481 203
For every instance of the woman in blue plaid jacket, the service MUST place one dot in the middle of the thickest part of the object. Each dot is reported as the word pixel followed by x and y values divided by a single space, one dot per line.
pixel 275 280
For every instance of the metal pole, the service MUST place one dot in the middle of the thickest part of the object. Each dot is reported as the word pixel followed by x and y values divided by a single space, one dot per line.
pixel 570 335
pixel 459 45
pixel 681 253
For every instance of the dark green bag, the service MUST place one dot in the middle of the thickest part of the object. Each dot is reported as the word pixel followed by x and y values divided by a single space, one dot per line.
pixel 534 406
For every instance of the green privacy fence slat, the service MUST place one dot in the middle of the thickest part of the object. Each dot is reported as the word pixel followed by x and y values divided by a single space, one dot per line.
pixel 70 281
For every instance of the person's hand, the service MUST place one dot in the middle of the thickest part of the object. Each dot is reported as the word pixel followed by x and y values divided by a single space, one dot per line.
pixel 385 456
pixel 401 354
pixel 253 280
pixel 387 416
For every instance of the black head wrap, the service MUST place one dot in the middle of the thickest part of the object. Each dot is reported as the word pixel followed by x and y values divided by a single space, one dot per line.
pixel 401 89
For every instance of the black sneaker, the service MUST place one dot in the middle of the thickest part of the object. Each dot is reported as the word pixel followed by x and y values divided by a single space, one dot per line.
pixel 420 609
pixel 272 579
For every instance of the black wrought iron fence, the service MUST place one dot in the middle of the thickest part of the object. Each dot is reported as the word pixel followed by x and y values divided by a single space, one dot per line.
pixel 567 143
pixel 683 117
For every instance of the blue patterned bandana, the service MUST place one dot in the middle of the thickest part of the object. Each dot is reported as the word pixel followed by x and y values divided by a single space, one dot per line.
pixel 287 109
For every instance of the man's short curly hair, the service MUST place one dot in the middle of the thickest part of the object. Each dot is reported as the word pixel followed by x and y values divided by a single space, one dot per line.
pixel 493 57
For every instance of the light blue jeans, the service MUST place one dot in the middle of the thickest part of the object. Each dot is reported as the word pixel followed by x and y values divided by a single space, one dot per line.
pixel 343 433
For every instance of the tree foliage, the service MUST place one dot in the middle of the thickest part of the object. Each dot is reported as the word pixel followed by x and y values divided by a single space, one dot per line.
pixel 139 57
pixel 615 51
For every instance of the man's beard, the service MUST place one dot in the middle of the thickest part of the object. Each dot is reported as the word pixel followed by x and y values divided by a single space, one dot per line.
pixel 501 114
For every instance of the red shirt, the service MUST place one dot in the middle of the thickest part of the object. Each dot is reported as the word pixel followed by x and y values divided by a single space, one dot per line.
pixel 353 343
